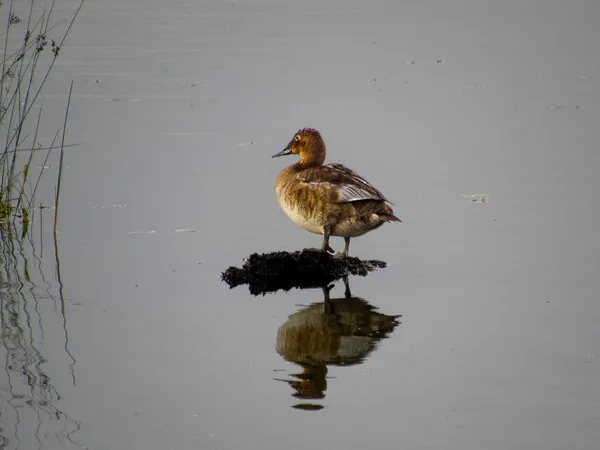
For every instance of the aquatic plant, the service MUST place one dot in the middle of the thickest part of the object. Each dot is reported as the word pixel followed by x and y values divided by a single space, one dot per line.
pixel 32 302
pixel 29 54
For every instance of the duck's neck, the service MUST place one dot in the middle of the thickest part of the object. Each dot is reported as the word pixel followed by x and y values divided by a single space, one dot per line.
pixel 313 157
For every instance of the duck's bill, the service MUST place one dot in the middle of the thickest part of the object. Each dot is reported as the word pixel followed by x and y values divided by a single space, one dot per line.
pixel 285 151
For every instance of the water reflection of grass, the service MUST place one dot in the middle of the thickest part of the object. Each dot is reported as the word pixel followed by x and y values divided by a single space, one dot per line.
pixel 32 305
pixel 32 316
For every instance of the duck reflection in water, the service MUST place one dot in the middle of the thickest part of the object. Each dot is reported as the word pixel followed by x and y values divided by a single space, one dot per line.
pixel 338 331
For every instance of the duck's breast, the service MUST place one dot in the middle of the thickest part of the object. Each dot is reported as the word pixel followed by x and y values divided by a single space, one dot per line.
pixel 298 207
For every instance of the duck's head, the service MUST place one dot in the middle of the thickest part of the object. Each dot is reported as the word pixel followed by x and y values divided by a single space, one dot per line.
pixel 307 143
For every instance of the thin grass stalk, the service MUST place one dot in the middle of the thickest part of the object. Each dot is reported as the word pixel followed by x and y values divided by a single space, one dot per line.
pixel 23 110
pixel 17 56
pixel 29 160
pixel 28 149
pixel 33 150
pixel 6 169
pixel 60 164
pixel 32 70
pixel 19 90
pixel 43 82
pixel 10 7
pixel 45 161
pixel 44 28
pixel 31 32
pixel 50 14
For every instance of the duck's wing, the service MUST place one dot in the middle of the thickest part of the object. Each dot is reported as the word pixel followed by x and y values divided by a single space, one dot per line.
pixel 349 185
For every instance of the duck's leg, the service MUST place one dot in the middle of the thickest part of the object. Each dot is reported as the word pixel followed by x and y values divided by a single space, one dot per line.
pixel 344 254
pixel 325 247
pixel 347 292
pixel 326 300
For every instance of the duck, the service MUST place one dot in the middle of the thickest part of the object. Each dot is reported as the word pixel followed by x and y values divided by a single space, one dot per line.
pixel 328 199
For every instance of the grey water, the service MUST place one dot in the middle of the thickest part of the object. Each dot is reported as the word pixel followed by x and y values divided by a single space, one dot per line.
pixel 477 119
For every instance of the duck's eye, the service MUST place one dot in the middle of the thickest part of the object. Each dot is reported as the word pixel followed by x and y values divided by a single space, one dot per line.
pixel 297 137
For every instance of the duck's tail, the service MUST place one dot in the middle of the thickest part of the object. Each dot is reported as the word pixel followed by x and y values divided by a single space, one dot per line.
pixel 389 218
pixel 387 215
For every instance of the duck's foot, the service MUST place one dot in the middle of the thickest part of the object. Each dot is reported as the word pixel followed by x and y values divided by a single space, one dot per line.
pixel 340 255
pixel 318 249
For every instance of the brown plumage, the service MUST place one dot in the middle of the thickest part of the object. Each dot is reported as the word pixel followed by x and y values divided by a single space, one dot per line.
pixel 331 199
